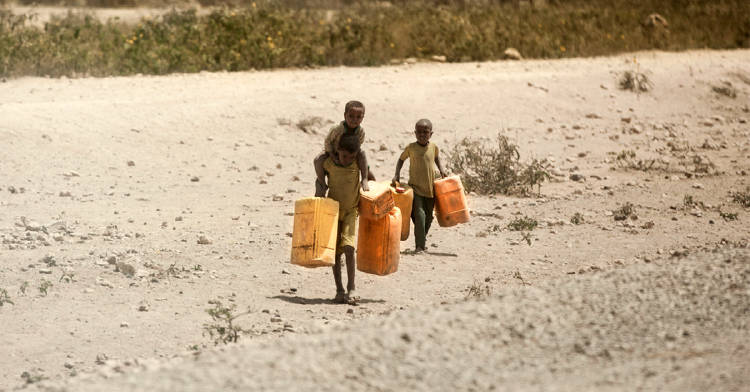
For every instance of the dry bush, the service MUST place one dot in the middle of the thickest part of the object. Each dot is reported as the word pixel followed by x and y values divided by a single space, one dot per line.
pixel 477 290
pixel 222 329
pixel 487 169
pixel 4 297
pixel 741 198
pixel 635 81
pixel 577 218
pixel 726 89
pixel 525 223
pixel 626 211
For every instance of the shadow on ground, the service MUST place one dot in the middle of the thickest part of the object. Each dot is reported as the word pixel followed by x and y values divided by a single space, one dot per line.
pixel 320 301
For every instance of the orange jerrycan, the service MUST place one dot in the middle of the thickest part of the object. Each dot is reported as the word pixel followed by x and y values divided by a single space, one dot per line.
pixel 377 202
pixel 450 202
pixel 314 235
pixel 403 196
pixel 378 244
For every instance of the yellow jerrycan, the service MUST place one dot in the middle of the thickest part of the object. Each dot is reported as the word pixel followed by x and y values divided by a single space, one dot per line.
pixel 450 201
pixel 377 202
pixel 314 235
pixel 403 197
pixel 378 245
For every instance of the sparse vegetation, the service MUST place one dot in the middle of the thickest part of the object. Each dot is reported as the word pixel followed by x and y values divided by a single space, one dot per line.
pixel 635 81
pixel 67 276
pixel 44 286
pixel 725 89
pixel 478 290
pixel 23 287
pixel 526 236
pixel 521 224
pixel 268 34
pixel 496 169
pixel 4 297
pixel 626 211
pixel 32 377
pixel 627 159
pixel 741 197
pixel 222 328
pixel 577 218
pixel 728 216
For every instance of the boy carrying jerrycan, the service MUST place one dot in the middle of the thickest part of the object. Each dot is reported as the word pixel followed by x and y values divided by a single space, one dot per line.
pixel 324 227
pixel 446 193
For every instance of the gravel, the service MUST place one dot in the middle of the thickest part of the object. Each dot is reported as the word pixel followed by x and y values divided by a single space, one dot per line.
pixel 676 324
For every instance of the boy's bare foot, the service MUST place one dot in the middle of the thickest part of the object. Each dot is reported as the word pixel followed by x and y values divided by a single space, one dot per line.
pixel 340 298
pixel 352 298
pixel 420 249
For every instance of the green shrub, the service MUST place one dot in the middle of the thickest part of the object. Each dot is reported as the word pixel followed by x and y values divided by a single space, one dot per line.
pixel 525 223
pixel 487 169
pixel 303 33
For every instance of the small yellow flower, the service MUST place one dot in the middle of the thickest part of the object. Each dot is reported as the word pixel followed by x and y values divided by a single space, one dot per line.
pixel 242 42
pixel 393 45
pixel 322 22
pixel 271 45
pixel 609 36
pixel 562 48
pixel 622 36
pixel 269 38
pixel 278 33
pixel 253 4
pixel 348 20
pixel 233 13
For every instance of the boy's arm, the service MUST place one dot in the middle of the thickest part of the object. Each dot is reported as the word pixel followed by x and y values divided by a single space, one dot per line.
pixel 363 169
pixel 320 180
pixel 439 165
pixel 397 177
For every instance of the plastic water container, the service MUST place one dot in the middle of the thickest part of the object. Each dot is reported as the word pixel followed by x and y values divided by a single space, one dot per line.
pixel 377 202
pixel 403 197
pixel 378 244
pixel 314 235
pixel 450 202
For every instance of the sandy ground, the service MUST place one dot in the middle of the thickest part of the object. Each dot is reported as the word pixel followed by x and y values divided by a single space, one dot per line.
pixel 108 184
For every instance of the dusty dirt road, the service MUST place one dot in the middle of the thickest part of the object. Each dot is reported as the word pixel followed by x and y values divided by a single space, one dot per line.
pixel 107 185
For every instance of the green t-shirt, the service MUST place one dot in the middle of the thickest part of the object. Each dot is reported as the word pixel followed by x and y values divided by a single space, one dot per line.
pixel 343 185
pixel 421 167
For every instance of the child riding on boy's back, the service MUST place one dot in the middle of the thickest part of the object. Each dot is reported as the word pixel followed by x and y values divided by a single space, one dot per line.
pixel 423 156
pixel 343 186
pixel 354 113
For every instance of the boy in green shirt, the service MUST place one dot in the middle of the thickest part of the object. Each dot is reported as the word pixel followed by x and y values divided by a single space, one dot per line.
pixel 354 113
pixel 343 186
pixel 423 156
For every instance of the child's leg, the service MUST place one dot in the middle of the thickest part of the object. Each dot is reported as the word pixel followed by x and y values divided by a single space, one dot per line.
pixel 429 206
pixel 337 274
pixel 419 216
pixel 350 264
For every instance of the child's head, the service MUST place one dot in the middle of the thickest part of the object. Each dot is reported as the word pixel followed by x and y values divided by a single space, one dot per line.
pixel 348 149
pixel 354 113
pixel 423 131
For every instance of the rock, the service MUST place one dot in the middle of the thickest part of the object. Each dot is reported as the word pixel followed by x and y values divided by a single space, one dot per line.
pixel 195 179
pixel 512 54
pixel 577 177
pixel 275 319
pixel 45 271
pixel 203 240
pixel 65 194
pixel 284 272
pixel 124 324
pixel 438 58
pixel 263 181
pixel 178 219
pixel 278 197
pixel 112 260
pixel 126 269
pixel 131 163
pixel 655 21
